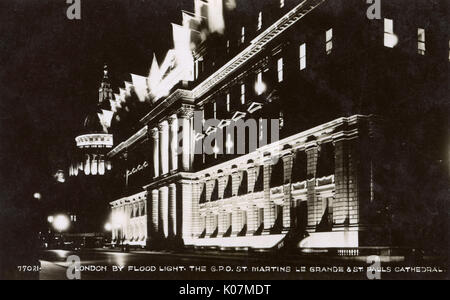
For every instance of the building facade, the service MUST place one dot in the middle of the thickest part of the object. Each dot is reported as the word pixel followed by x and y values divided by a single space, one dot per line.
pixel 269 129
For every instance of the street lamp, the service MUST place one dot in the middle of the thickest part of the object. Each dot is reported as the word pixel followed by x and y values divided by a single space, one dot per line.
pixel 61 223
pixel 37 196
pixel 108 227
pixel 50 219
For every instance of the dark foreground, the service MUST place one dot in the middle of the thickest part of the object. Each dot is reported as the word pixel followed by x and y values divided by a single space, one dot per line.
pixel 110 264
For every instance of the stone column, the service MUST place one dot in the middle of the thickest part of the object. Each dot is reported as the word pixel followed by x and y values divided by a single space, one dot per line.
pixel 113 223
pixel 187 219
pixel 172 210
pixel 155 211
pixel 312 154
pixel 164 147
pixel 269 206
pixel 173 123
pixel 287 205
pixel 236 221
pixel 222 223
pixel 164 211
pixel 252 220
pixel 155 136
pixel 185 115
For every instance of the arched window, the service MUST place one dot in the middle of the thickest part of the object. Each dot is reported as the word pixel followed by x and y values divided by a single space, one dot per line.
pixel 229 188
pixel 215 192
pixel 243 187
pixel 203 195
pixel 277 176
pixel 325 163
pixel 299 171
pixel 259 184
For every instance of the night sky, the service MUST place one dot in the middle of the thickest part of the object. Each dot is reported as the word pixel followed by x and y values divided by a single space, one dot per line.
pixel 50 70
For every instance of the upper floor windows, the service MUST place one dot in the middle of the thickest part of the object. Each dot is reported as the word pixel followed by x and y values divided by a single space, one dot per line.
pixel 280 70
pixel 390 39
pixel 329 40
pixel 242 35
pixel 196 69
pixel 228 102
pixel 260 87
pixel 302 56
pixel 260 21
pixel 421 41
pixel 243 93
pixel 228 46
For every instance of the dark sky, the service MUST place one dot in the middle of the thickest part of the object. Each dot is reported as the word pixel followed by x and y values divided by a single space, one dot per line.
pixel 50 69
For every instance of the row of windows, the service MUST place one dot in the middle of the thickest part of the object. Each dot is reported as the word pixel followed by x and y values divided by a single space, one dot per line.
pixel 324 168
pixel 391 39
pixel 299 220
pixel 260 86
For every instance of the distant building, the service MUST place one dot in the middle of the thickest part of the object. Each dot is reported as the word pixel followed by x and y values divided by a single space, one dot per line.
pixel 357 104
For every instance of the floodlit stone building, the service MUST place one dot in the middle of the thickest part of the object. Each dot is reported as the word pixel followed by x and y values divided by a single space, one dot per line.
pixel 323 71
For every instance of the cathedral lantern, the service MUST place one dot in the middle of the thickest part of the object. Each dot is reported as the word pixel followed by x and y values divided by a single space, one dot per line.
pixel 93 145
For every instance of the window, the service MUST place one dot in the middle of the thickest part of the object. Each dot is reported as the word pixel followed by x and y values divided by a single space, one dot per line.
pixel 281 3
pixel 260 20
pixel 449 50
pixel 390 39
pixel 302 56
pixel 243 35
pixel 421 41
pixel 228 46
pixel 242 93
pixel 260 87
pixel 329 40
pixel 280 69
pixel 228 102
pixel 215 110
pixel 196 68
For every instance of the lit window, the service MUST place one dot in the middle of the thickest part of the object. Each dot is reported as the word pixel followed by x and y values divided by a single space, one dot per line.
pixel 280 69
pixel 215 110
pixel 421 41
pixel 329 40
pixel 260 87
pixel 281 3
pixel 228 46
pixel 243 35
pixel 260 20
pixel 302 56
pixel 196 69
pixel 449 50
pixel 243 93
pixel 228 102
pixel 390 39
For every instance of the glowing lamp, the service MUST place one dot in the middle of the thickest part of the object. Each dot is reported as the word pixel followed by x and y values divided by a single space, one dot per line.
pixel 108 227
pixel 260 87
pixel 390 40
pixel 61 223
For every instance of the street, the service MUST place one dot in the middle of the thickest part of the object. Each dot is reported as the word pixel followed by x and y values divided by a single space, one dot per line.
pixel 114 265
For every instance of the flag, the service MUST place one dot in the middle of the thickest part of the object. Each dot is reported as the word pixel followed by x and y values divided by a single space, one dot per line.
pixel 216 22
pixel 140 85
pixel 154 76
